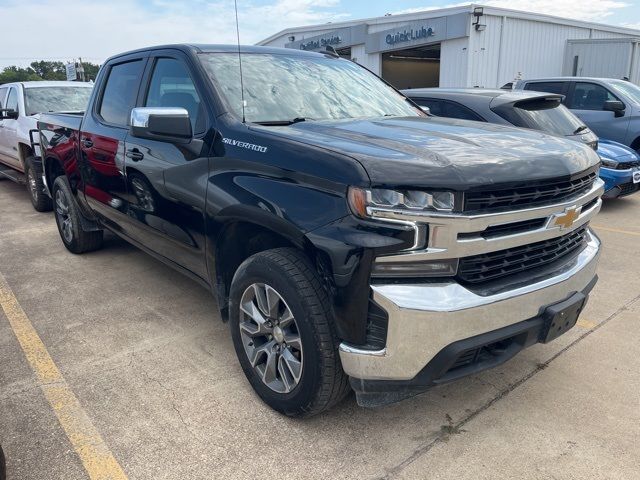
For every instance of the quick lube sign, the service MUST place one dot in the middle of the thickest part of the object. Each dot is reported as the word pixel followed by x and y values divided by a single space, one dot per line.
pixel 409 35
pixel 416 33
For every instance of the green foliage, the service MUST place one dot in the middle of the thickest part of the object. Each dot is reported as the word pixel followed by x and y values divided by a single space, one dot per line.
pixel 44 70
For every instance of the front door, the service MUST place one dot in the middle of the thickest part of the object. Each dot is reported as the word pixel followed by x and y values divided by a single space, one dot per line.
pixel 166 181
pixel 587 102
pixel 10 132
pixel 3 148
pixel 102 148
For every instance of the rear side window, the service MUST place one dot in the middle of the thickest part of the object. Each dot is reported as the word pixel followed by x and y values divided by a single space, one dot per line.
pixel 549 87
pixel 12 99
pixel 120 92
pixel 590 96
pixel 172 86
pixel 435 106
pixel 455 110
pixel 3 94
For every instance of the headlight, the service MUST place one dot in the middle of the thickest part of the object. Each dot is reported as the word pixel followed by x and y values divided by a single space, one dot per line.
pixel 608 163
pixel 362 201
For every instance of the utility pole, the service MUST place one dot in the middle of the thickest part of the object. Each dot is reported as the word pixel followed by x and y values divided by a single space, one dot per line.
pixel 80 69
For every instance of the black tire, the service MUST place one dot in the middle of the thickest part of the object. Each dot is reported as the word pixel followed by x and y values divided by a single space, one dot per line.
pixel 3 467
pixel 40 200
pixel 322 383
pixel 73 236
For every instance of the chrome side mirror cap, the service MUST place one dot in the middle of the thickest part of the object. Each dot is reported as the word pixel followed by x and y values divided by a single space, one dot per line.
pixel 161 123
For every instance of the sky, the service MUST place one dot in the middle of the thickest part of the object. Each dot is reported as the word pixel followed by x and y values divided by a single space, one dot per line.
pixel 94 30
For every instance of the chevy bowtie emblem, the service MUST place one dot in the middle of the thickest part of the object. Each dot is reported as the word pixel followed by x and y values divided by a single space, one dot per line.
pixel 565 220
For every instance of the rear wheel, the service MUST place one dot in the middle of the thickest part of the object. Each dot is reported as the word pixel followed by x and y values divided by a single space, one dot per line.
pixel 40 200
pixel 69 221
pixel 284 335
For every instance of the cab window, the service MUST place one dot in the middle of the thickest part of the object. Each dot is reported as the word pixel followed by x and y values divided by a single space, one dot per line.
pixel 12 99
pixel 548 87
pixel 455 110
pixel 435 106
pixel 590 96
pixel 172 86
pixel 120 91
pixel 3 94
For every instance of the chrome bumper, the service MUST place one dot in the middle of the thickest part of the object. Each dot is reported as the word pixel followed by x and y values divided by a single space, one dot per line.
pixel 425 318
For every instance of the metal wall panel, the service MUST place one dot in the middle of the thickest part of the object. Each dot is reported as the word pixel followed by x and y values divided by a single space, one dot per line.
pixel 454 62
pixel 599 59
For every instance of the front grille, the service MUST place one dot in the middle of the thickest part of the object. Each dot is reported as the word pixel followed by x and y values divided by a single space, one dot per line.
pixel 485 353
pixel 628 165
pixel 628 188
pixel 528 194
pixel 497 265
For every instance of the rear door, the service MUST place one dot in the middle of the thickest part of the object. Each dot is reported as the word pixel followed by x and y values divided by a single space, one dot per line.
pixel 586 100
pixel 166 182
pixel 102 147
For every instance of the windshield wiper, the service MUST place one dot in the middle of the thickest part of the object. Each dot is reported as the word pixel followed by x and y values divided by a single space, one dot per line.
pixel 581 128
pixel 283 122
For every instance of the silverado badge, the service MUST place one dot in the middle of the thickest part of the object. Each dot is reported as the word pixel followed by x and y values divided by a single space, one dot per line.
pixel 565 219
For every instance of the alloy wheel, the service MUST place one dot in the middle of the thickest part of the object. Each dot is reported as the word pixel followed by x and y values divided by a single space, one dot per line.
pixel 64 216
pixel 33 185
pixel 271 338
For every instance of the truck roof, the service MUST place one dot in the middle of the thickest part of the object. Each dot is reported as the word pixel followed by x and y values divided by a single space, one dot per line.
pixel 220 48
pixel 570 79
pixel 49 83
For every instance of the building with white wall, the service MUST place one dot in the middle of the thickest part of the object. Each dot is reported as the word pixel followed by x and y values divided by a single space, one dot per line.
pixel 473 45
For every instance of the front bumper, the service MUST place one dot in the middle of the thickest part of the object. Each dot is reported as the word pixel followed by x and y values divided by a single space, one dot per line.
pixel 424 319
pixel 618 183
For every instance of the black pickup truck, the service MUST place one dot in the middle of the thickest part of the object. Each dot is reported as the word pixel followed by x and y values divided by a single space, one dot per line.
pixel 352 241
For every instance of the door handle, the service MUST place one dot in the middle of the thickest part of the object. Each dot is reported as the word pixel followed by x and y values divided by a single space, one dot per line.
pixel 135 154
pixel 86 143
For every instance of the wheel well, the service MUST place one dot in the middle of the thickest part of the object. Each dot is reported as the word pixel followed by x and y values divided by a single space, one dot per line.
pixel 239 241
pixel 636 144
pixel 24 151
pixel 53 169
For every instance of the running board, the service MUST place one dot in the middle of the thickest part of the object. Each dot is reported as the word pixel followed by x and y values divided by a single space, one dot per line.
pixel 11 174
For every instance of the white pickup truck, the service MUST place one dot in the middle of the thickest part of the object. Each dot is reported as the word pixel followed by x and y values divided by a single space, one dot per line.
pixel 21 104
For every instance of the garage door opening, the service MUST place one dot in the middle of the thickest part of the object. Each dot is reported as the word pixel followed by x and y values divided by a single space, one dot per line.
pixel 412 68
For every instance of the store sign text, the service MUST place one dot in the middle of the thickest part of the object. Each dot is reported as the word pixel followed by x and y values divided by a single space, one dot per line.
pixel 321 43
pixel 409 35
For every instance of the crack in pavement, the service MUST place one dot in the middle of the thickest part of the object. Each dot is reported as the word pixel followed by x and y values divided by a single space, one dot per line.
pixel 446 432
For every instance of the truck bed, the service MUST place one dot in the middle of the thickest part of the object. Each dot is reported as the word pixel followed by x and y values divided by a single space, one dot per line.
pixel 65 120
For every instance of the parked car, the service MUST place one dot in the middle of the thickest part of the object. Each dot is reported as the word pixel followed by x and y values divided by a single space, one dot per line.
pixel 346 234
pixel 20 106
pixel 539 111
pixel 610 107
pixel 620 169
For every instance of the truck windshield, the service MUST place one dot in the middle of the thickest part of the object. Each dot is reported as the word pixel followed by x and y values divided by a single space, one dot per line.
pixel 548 115
pixel 56 99
pixel 289 88
pixel 626 88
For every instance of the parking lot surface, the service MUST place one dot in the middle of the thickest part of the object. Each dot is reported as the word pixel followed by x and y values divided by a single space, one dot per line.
pixel 147 377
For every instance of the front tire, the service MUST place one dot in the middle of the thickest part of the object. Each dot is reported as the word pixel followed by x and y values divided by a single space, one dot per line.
pixel 284 335
pixel 69 221
pixel 40 200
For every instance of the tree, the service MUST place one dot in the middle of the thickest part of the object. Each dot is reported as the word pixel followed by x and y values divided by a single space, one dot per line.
pixel 49 70
pixel 90 70
pixel 18 74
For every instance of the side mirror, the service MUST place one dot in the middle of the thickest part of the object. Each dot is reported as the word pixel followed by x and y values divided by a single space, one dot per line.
pixel 8 114
pixel 165 124
pixel 615 106
pixel 426 110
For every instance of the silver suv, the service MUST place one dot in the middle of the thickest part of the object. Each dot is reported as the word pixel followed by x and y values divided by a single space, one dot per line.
pixel 609 107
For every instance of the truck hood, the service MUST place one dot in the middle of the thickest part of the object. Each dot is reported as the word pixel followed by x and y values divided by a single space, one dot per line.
pixel 444 153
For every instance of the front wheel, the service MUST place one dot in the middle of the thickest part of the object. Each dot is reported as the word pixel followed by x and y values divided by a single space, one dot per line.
pixel 40 200
pixel 69 222
pixel 284 335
